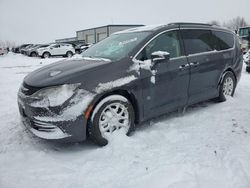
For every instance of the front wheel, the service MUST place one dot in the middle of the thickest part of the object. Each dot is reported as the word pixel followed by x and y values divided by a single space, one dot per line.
pixel 227 87
pixel 114 113
pixel 33 54
pixel 46 55
pixel 69 54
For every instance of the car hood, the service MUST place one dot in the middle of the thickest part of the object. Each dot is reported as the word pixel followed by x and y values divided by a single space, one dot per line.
pixel 62 72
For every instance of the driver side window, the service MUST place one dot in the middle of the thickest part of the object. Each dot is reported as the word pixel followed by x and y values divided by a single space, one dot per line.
pixel 167 42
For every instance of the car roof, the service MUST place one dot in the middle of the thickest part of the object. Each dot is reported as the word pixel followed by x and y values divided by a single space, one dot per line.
pixel 161 27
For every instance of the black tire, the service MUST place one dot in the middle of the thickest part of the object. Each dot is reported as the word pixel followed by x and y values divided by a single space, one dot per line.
pixel 69 54
pixel 94 132
pixel 222 96
pixel 248 69
pixel 33 54
pixel 46 55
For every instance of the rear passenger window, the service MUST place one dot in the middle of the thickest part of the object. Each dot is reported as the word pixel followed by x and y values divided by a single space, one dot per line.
pixel 197 41
pixel 224 40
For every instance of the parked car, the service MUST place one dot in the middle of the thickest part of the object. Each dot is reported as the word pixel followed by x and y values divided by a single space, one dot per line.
pixel 3 51
pixel 128 78
pixel 32 52
pixel 18 48
pixel 81 47
pixel 66 50
pixel 245 38
pixel 24 49
pixel 247 60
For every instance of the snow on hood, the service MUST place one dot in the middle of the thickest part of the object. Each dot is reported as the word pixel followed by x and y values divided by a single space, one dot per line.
pixel 80 57
pixel 116 83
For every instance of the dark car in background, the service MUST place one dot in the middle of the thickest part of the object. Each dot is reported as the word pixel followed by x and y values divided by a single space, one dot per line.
pixel 128 78
pixel 82 47
pixel 19 48
pixel 24 49
pixel 32 52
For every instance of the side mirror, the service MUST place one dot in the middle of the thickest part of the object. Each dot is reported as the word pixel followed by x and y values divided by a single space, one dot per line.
pixel 160 56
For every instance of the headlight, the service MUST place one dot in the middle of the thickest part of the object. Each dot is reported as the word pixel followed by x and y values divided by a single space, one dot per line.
pixel 54 96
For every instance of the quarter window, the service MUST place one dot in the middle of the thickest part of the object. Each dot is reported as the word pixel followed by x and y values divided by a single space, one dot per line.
pixel 167 42
pixel 197 41
pixel 224 40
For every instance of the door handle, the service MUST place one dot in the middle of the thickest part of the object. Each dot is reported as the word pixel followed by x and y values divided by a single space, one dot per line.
pixel 183 67
pixel 194 64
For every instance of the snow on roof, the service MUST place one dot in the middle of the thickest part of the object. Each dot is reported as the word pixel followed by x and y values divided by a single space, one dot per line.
pixel 142 28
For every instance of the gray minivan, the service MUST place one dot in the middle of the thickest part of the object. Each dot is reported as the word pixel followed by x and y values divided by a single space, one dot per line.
pixel 130 77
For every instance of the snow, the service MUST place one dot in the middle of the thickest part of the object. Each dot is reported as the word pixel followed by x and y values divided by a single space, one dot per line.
pixel 152 78
pixel 80 57
pixel 247 57
pixel 128 41
pixel 147 65
pixel 160 53
pixel 96 59
pixel 206 147
pixel 113 84
pixel 54 96
pixel 142 28
pixel 79 104
pixel 57 133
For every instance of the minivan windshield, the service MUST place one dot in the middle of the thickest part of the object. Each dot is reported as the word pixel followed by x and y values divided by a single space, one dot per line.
pixel 117 46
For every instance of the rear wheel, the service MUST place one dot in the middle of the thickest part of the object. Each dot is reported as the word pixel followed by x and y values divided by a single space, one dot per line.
pixel 69 54
pixel 227 86
pixel 114 113
pixel 33 54
pixel 46 55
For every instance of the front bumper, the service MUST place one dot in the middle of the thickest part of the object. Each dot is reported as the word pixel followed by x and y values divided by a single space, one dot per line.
pixel 44 123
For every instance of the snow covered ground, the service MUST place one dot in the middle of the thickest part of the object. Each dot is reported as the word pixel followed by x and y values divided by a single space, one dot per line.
pixel 207 147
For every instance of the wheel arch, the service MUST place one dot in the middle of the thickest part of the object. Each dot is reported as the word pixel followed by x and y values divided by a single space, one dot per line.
pixel 46 52
pixel 229 69
pixel 123 92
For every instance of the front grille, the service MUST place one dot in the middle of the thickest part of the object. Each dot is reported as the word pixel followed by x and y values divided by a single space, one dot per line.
pixel 28 90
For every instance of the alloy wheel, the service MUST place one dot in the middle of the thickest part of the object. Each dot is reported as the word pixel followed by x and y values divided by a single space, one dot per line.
pixel 228 86
pixel 114 117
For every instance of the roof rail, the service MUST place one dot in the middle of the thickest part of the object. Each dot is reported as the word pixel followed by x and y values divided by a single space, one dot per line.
pixel 189 23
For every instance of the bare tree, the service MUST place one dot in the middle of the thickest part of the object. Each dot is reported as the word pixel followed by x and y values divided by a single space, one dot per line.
pixel 236 23
pixel 214 22
pixel 7 44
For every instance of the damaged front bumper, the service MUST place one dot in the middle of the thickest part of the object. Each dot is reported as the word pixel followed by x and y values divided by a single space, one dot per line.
pixel 53 123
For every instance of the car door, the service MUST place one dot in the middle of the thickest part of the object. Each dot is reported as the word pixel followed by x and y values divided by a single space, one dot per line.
pixel 165 85
pixel 54 49
pixel 205 64
pixel 63 49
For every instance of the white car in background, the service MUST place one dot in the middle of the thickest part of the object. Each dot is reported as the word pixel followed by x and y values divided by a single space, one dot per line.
pixel 66 50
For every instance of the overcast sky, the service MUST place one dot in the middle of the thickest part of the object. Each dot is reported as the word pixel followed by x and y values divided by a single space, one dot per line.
pixel 39 21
